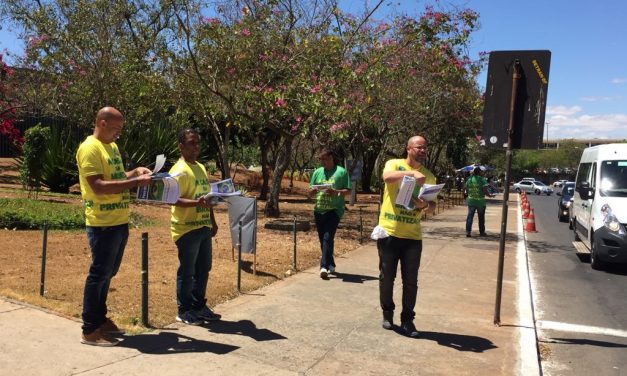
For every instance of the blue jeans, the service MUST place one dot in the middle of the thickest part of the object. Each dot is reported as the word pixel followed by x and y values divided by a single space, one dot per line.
pixel 471 213
pixel 408 252
pixel 326 224
pixel 107 248
pixel 194 250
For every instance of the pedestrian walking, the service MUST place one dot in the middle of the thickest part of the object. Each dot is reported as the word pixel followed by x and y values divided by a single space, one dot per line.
pixel 399 234
pixel 192 226
pixel 330 183
pixel 477 188
pixel 105 192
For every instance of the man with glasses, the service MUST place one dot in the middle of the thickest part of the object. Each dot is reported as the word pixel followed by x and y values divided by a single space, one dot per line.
pixel 104 188
pixel 330 183
pixel 400 235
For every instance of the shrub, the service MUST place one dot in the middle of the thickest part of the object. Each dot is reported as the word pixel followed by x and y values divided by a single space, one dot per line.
pixel 32 159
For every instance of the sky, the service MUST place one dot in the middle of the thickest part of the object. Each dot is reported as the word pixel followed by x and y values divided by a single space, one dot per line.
pixel 587 92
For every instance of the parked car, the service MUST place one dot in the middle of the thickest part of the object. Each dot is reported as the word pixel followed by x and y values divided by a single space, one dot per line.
pixel 559 183
pixel 534 186
pixel 565 201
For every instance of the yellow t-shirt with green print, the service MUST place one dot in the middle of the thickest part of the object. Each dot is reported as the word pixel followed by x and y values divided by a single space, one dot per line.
pixel 96 158
pixel 193 183
pixel 395 219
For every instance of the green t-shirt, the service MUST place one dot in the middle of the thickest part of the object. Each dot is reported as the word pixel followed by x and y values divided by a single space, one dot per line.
pixel 474 187
pixel 340 180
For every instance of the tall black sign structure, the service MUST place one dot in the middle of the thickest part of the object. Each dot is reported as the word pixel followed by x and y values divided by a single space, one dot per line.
pixel 530 99
pixel 513 117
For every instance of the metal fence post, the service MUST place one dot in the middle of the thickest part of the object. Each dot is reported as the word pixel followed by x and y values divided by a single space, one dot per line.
pixel 239 257
pixel 294 263
pixel 43 260
pixel 144 279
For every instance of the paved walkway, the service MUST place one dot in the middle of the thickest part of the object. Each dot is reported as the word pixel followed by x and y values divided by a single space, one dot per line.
pixel 307 326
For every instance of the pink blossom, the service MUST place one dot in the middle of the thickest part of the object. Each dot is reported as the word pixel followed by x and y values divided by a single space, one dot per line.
pixel 263 57
pixel 280 102
pixel 210 20
pixel 315 89
pixel 338 127
pixel 232 71
pixel 245 32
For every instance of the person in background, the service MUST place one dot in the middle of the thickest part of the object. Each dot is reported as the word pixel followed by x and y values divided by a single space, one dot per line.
pixel 476 188
pixel 330 183
pixel 104 188
pixel 192 226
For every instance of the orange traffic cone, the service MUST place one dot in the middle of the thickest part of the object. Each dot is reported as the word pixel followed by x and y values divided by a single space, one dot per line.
pixel 531 223
pixel 526 209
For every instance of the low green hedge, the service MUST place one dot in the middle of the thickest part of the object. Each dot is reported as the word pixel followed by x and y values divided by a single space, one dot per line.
pixel 27 214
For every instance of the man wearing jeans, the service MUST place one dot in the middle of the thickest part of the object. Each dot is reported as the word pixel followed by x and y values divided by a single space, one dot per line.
pixel 330 183
pixel 477 189
pixel 192 227
pixel 104 188
pixel 401 238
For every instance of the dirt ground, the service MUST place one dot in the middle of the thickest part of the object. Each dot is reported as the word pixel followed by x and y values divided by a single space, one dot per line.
pixel 68 256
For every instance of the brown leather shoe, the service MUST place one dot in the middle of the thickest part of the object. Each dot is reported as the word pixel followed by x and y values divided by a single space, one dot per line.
pixel 110 327
pixel 98 338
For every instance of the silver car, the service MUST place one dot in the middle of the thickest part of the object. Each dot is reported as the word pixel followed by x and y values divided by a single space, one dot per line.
pixel 534 186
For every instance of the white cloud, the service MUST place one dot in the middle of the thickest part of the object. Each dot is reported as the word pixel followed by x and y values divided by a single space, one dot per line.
pixel 619 80
pixel 601 99
pixel 584 126
pixel 562 110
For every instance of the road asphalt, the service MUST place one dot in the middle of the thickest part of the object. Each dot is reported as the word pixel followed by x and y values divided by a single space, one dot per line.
pixel 304 325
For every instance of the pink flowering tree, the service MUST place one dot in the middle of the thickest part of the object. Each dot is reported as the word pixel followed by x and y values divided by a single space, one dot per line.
pixel 8 107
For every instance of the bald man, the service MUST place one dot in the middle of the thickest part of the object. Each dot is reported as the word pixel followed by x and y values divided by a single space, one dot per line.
pixel 402 240
pixel 105 191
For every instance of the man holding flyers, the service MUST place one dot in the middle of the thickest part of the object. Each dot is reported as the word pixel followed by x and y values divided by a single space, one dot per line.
pixel 330 183
pixel 399 235
pixel 104 188
pixel 192 227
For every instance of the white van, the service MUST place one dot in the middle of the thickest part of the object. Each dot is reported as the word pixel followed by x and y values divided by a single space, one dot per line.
pixel 599 211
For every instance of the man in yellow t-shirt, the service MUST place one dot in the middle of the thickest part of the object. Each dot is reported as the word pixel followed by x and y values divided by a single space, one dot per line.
pixel 192 227
pixel 403 234
pixel 104 187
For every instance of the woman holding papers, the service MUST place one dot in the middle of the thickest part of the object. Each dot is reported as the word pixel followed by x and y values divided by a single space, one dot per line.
pixel 192 227
pixel 399 235
pixel 329 183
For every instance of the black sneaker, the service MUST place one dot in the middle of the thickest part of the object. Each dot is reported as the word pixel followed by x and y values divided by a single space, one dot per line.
pixel 483 234
pixel 409 329
pixel 467 234
pixel 189 318
pixel 388 320
pixel 206 314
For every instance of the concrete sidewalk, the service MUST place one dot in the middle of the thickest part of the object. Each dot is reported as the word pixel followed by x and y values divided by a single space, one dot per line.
pixel 307 326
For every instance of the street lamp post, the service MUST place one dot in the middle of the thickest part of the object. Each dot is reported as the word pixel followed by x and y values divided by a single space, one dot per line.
pixel 547 133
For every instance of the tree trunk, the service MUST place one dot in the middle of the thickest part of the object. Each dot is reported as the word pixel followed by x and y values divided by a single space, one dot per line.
pixel 282 161
pixel 265 172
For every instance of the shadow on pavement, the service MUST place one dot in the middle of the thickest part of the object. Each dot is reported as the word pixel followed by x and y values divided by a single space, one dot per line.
pixel 459 342
pixel 459 232
pixel 243 328
pixel 247 267
pixel 583 341
pixel 166 343
pixel 355 278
